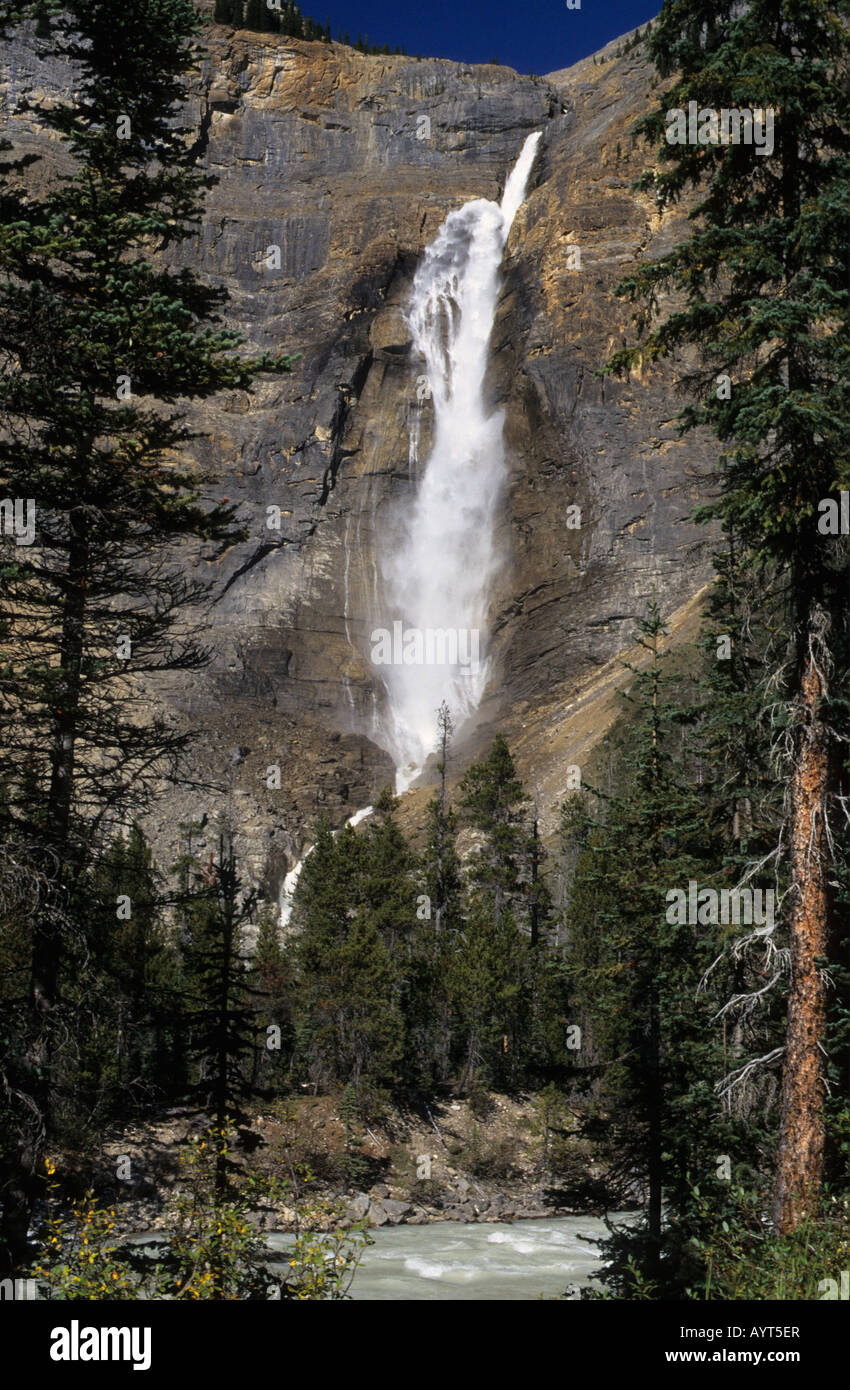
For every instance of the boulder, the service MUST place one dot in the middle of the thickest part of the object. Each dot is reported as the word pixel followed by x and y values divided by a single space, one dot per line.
pixel 358 1207
pixel 396 1211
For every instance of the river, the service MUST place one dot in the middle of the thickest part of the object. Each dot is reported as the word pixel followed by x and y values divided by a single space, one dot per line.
pixel 477 1261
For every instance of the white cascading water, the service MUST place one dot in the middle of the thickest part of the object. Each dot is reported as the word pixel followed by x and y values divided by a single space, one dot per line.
pixel 438 563
pixel 439 558
pixel 290 883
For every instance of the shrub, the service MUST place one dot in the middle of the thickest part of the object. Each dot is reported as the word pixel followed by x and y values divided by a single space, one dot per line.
pixel 212 1251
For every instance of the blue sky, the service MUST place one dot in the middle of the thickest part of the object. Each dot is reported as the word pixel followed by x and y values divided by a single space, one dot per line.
pixel 530 35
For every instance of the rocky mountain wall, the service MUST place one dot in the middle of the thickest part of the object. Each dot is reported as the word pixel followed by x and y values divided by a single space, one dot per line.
pixel 335 171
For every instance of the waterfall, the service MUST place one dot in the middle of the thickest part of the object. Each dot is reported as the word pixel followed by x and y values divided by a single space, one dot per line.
pixel 438 554
pixel 438 558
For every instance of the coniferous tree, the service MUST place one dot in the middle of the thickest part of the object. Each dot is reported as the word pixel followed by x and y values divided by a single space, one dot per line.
pixel 442 868
pixel 349 1021
pixel 272 996
pixel 99 340
pixel 637 972
pixel 494 802
pixel 216 1002
pixel 490 975
pixel 122 979
pixel 732 740
pixel 764 279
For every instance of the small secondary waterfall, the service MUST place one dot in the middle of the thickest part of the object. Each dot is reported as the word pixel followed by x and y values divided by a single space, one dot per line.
pixel 290 883
pixel 439 556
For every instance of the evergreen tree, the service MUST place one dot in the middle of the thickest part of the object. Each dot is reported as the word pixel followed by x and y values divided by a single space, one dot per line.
pixel 100 339
pixel 389 883
pixel 122 978
pixel 743 804
pixel 442 868
pixel 272 991
pixel 764 286
pixel 490 976
pixel 349 1023
pixel 494 802
pixel 489 990
pixel 216 1003
pixel 637 972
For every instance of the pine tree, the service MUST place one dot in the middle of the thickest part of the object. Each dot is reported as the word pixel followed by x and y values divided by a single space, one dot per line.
pixel 636 973
pixel 349 1024
pixel 216 1002
pixel 490 994
pixel 103 338
pixel 122 978
pixel 272 996
pixel 442 868
pixel 764 279
pixel 494 802
pixel 490 974
pixel 732 738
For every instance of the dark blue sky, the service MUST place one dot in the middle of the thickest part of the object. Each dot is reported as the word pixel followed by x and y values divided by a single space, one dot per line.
pixel 530 35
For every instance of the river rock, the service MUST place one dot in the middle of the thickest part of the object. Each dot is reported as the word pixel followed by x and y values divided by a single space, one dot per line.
pixel 396 1211
pixel 358 1207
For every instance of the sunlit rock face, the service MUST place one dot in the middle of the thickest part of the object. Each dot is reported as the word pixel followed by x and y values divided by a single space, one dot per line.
pixel 336 171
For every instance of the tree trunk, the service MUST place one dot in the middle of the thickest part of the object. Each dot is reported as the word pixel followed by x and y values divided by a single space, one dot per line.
pixel 802 1131
pixel 46 936
pixel 654 1166
pixel 534 914
pixel 23 1186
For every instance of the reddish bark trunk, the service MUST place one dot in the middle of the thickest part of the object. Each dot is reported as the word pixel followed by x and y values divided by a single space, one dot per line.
pixel 802 1134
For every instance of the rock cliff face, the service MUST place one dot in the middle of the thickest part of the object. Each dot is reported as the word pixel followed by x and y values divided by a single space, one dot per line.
pixel 335 170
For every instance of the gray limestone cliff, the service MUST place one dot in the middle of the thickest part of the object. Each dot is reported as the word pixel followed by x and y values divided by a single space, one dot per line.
pixel 334 172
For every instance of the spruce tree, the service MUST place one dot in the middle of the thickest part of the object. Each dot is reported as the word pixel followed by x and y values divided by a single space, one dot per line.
pixel 637 973
pixel 442 869
pixel 122 978
pixel 100 340
pixel 216 1004
pixel 272 997
pixel 349 1023
pixel 494 803
pixel 490 969
pixel 763 281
